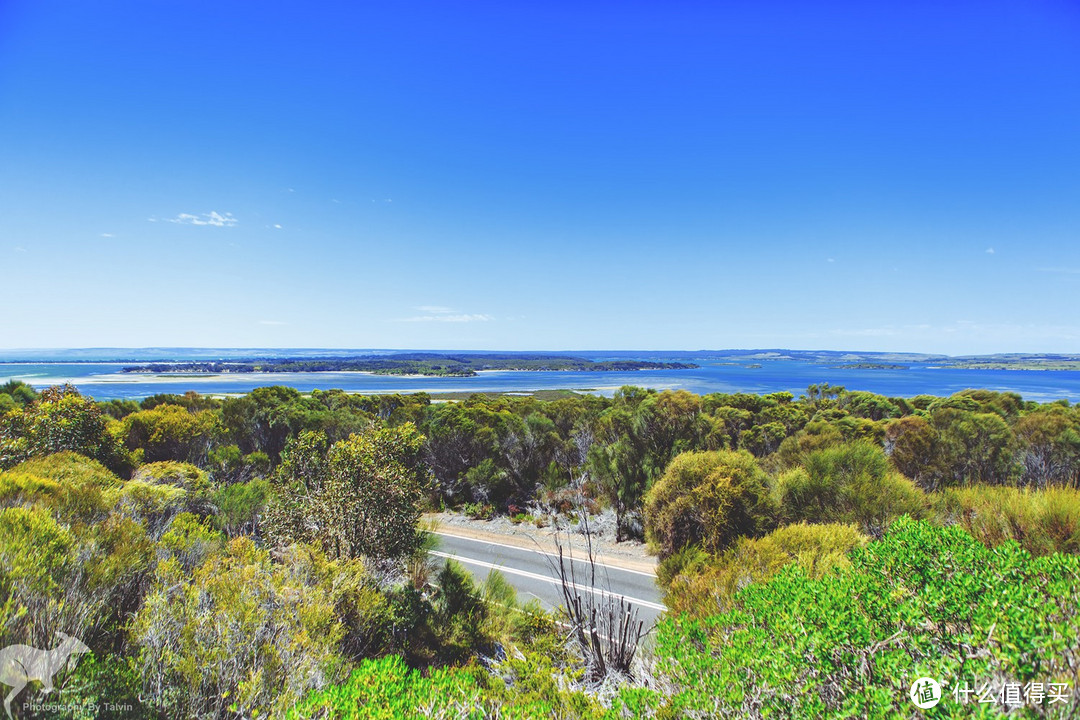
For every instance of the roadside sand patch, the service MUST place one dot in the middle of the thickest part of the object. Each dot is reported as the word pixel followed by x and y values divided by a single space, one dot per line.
pixel 628 555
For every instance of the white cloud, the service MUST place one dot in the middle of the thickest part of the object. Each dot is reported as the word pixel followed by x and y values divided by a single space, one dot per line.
pixel 277 226
pixel 461 318
pixel 439 313
pixel 213 218
pixel 107 235
pixel 989 251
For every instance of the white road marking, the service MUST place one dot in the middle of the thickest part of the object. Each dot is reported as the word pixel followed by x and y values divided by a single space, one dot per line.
pixel 544 578
pixel 544 552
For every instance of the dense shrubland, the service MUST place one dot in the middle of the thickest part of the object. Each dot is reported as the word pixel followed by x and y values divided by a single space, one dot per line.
pixel 261 555
pixel 923 601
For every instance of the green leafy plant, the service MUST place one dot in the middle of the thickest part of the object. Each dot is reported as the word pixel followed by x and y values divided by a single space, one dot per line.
pixel 922 601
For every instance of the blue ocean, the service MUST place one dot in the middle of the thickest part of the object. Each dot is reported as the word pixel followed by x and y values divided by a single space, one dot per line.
pixel 105 380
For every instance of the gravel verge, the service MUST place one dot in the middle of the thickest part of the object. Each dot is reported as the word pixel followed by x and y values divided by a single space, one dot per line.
pixel 630 554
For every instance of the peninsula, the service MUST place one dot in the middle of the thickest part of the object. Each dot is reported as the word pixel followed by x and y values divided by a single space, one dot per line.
pixel 431 364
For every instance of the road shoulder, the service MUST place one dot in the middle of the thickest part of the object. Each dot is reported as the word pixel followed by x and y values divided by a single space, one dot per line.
pixel 526 537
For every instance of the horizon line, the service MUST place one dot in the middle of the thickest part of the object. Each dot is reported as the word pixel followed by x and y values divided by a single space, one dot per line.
pixel 145 348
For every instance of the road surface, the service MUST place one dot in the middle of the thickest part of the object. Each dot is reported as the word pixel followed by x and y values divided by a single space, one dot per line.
pixel 533 573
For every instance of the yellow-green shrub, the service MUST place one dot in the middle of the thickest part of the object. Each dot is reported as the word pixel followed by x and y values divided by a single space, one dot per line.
pixel 239 506
pixel 705 588
pixel 70 468
pixel 709 499
pixel 73 487
pixel 179 474
pixel 240 635
pixel 189 541
pixel 74 578
pixel 171 432
pixel 1042 521
pixel 152 505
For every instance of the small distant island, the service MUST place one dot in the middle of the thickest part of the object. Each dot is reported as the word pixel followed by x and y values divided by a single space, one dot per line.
pixel 1018 362
pixel 870 366
pixel 430 364
pixel 847 360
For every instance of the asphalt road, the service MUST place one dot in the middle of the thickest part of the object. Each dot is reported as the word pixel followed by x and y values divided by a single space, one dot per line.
pixel 533 573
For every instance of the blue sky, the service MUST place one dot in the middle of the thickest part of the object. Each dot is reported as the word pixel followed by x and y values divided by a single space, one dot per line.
pixel 559 175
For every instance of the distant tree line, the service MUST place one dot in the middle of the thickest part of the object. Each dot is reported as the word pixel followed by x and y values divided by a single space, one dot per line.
pixel 510 451
pixel 411 364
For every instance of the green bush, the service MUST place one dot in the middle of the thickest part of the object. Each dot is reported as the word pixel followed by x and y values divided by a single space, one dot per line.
pixel 18 393
pixel 240 505
pixel 459 615
pixel 510 622
pixel 795 448
pixel 59 419
pixel 923 601
pixel 228 465
pixel 387 689
pixel 488 481
pixel 479 511
pixel 1048 443
pixel 73 487
pixel 971 447
pixel 66 562
pixel 851 483
pixel 708 499
pixel 358 497
pixel 154 506
pixel 101 688
pixel 189 541
pixel 687 560
pixel 37 565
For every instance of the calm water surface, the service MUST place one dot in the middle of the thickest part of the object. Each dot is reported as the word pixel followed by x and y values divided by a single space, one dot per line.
pixel 104 381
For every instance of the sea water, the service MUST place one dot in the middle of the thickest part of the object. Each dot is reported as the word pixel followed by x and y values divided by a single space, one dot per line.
pixel 106 381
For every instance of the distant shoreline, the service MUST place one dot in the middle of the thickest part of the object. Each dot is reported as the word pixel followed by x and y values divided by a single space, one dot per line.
pixel 404 365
